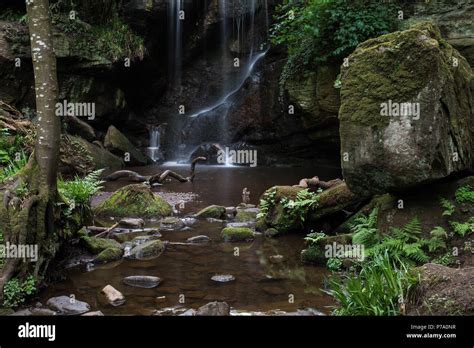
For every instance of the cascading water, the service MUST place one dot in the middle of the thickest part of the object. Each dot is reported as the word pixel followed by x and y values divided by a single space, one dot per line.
pixel 175 42
pixel 155 142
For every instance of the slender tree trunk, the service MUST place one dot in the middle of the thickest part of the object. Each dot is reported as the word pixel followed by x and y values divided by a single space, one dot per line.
pixel 35 222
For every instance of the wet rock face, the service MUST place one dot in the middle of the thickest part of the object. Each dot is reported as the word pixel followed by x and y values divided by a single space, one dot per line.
pixel 406 114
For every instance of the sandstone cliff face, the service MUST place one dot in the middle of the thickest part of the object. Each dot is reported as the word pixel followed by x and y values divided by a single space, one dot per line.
pixel 430 137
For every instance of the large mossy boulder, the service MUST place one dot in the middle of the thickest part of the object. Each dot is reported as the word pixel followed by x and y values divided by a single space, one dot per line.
pixel 136 200
pixel 118 144
pixel 413 69
pixel 333 200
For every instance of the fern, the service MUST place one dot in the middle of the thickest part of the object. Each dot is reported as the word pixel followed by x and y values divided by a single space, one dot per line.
pixel 448 207
pixel 465 194
pixel 365 229
pixel 463 228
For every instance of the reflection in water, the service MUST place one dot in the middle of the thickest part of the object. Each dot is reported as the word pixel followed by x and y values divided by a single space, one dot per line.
pixel 259 284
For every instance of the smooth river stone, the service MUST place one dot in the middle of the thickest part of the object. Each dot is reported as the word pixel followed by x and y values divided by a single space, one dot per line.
pixel 145 282
pixel 199 239
pixel 223 278
pixel 67 305
pixel 113 296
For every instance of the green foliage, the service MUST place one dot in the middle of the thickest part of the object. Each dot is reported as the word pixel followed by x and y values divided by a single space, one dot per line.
pixel 78 192
pixel 15 292
pixel 267 201
pixel 462 228
pixel 448 207
pixel 379 288
pixel 405 243
pixel 21 191
pixel 317 31
pixel 10 146
pixel 298 208
pixel 13 167
pixel 313 238
pixel 334 264
pixel 446 259
pixel 465 194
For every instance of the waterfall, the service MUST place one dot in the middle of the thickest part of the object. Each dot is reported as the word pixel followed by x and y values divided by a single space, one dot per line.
pixel 232 87
pixel 175 42
pixel 155 140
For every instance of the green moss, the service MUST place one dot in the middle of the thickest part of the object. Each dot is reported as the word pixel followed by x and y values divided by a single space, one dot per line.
pixel 109 255
pixel 245 215
pixel 148 250
pixel 313 255
pixel 236 234
pixel 97 245
pixel 134 201
pixel 261 225
pixel 372 79
pixel 272 233
pixel 213 211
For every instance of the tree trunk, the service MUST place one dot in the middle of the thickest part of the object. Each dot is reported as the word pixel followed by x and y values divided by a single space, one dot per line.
pixel 35 223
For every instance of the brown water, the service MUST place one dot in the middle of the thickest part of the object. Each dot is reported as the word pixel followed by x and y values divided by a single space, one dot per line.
pixel 187 270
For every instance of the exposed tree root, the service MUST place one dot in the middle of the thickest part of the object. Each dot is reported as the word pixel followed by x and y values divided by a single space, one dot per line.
pixel 159 178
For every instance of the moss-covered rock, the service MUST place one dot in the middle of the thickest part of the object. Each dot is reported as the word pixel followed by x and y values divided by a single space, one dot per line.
pixel 97 245
pixel 148 250
pixel 213 211
pixel 276 215
pixel 244 215
pixel 79 156
pixel 415 68
pixel 334 200
pixel 109 255
pixel 237 234
pixel 313 255
pixel 118 143
pixel 136 200
pixel 272 233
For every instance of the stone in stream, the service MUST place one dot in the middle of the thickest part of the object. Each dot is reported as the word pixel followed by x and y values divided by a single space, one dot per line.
pixel 237 234
pixel 213 211
pixel 93 314
pixel 67 305
pixel 123 236
pixel 148 250
pixel 223 278
pixel 132 223
pixel 113 296
pixel 109 255
pixel 214 309
pixel 199 239
pixel 247 214
pixel 189 221
pixel 145 282
pixel 97 245
pixel 172 223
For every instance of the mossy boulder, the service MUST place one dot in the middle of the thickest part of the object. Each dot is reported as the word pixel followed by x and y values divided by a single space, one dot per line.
pixel 334 200
pixel 213 211
pixel 313 255
pixel 77 155
pixel 418 71
pixel 244 215
pixel 276 216
pixel 148 250
pixel 97 245
pixel 118 144
pixel 109 255
pixel 136 200
pixel 237 234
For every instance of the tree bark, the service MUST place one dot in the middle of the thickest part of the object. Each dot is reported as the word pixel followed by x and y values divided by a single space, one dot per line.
pixel 35 223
